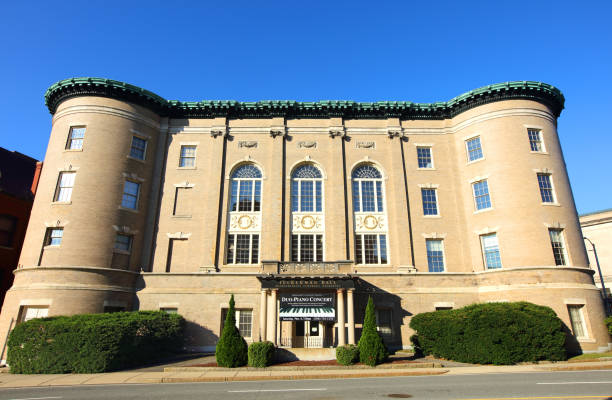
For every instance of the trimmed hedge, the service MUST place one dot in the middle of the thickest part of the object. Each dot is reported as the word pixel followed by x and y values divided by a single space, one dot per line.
pixel 261 354
pixel 347 354
pixel 372 350
pixel 91 343
pixel 608 322
pixel 492 333
pixel 231 350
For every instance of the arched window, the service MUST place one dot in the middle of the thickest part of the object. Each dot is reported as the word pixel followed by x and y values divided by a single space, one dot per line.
pixel 246 189
pixel 367 189
pixel 307 189
pixel 308 224
pixel 244 222
pixel 370 218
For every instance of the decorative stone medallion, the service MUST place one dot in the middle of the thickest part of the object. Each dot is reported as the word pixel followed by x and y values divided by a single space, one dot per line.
pixel 244 222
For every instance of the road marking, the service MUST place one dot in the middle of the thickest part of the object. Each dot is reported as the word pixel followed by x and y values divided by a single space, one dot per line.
pixel 569 383
pixel 603 397
pixel 38 398
pixel 273 390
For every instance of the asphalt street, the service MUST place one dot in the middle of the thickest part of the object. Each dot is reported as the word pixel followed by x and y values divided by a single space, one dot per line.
pixel 540 385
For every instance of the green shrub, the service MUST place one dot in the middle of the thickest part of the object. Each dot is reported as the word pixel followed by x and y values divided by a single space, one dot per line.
pixel 261 354
pixel 347 354
pixel 232 350
pixel 91 343
pixel 608 322
pixel 372 350
pixel 493 333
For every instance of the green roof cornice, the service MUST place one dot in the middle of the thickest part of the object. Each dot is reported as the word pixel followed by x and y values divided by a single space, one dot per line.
pixel 74 87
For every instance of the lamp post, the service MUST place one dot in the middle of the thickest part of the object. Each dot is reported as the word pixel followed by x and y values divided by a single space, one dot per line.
pixel 603 285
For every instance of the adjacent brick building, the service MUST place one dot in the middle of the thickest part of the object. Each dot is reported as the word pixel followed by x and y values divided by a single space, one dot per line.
pixel 302 210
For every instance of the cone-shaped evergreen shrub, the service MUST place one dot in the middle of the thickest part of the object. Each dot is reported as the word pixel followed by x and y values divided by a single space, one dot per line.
pixel 372 350
pixel 609 323
pixel 232 349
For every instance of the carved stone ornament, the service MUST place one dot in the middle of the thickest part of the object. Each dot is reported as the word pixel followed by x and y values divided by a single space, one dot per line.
pixel 214 132
pixel 241 222
pixel 395 133
pixel 274 132
pixel 307 223
pixel 249 144
pixel 370 222
pixel 365 145
pixel 337 132
pixel 307 145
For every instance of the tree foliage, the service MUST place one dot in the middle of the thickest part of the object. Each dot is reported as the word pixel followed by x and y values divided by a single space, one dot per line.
pixel 232 349
pixel 372 350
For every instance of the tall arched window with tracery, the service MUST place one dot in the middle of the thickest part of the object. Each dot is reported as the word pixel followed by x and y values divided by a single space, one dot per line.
pixel 244 219
pixel 308 218
pixel 369 215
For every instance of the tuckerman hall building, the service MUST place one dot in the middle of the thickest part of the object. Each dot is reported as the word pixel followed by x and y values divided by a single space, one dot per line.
pixel 303 210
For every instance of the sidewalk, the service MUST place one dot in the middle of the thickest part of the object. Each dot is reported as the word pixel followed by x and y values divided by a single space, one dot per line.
pixel 200 374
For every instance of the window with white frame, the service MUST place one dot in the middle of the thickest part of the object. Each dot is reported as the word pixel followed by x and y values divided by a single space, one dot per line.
pixel 576 315
pixel 424 157
pixel 188 156
pixel 307 189
pixel 244 321
pixel 75 138
pixel 435 255
pixel 139 148
pixel 474 149
pixel 482 200
pixel 65 183
pixel 169 310
pixel 246 189
pixel 306 248
pixel 490 251
pixel 535 140
pixel 54 236
pixel 123 242
pixel 370 249
pixel 546 189
pixel 430 201
pixel 558 246
pixel 131 191
pixel 242 248
pixel 384 323
pixel 367 189
pixel 31 312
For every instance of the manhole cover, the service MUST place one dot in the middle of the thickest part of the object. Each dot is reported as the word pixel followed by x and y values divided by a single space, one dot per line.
pixel 399 396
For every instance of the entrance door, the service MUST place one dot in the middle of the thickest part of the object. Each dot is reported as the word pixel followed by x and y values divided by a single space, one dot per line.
pixel 309 334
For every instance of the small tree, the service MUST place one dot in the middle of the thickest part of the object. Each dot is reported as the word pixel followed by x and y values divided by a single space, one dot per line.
pixel 232 349
pixel 372 350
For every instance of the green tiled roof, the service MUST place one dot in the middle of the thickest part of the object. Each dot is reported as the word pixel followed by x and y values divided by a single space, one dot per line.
pixel 74 87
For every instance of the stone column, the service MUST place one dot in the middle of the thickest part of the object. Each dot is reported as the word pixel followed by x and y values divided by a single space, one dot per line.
pixel 351 316
pixel 341 324
pixel 273 317
pixel 263 318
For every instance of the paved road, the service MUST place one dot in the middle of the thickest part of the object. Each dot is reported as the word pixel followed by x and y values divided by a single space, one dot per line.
pixel 541 385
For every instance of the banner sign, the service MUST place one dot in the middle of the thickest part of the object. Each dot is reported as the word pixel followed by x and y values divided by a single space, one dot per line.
pixel 307 307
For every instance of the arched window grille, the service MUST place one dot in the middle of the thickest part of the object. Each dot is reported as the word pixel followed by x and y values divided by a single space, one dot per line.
pixel 246 189
pixel 307 189
pixel 367 189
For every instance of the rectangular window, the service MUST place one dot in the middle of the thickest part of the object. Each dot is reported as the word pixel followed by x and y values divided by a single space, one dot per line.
pixel 75 138
pixel 8 225
pixel 546 189
pixel 577 320
pixel 131 191
pixel 384 323
pixel 31 312
pixel 123 242
pixel 481 195
pixel 490 251
pixel 474 149
pixel 188 156
pixel 139 148
pixel 371 249
pixel 244 321
pixel 558 246
pixel 430 201
pixel 435 255
pixel 424 157
pixel 169 310
pixel 54 236
pixel 242 249
pixel 535 140
pixel 306 248
pixel 63 192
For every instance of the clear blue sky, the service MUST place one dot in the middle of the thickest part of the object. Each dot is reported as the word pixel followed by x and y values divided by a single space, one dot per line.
pixel 318 50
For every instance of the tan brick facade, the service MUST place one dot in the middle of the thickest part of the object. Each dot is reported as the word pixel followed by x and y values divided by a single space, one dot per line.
pixel 182 220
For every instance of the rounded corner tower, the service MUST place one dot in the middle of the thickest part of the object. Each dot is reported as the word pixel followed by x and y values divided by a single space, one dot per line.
pixel 143 204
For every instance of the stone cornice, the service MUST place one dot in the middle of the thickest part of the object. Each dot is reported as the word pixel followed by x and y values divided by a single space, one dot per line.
pixel 74 87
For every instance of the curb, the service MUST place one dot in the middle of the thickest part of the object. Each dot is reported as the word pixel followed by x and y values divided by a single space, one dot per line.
pixel 309 368
pixel 576 367
pixel 302 377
